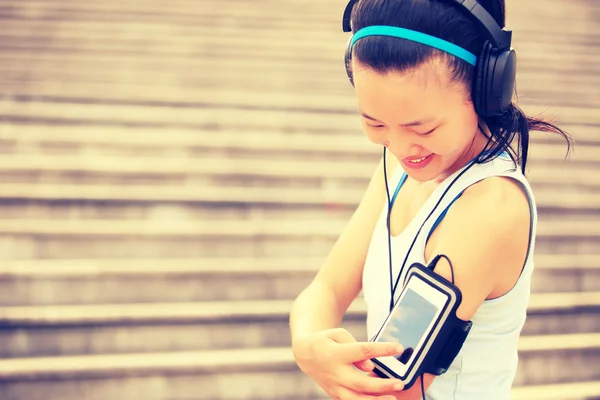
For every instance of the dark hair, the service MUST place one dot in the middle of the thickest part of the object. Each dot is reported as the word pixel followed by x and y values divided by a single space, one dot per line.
pixel 442 19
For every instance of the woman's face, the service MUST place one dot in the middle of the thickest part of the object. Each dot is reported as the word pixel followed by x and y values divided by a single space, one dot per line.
pixel 428 123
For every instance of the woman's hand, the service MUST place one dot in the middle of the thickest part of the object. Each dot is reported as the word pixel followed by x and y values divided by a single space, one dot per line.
pixel 329 358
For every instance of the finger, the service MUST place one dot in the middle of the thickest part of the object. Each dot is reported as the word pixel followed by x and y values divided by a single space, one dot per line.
pixel 349 394
pixel 365 365
pixel 367 384
pixel 359 351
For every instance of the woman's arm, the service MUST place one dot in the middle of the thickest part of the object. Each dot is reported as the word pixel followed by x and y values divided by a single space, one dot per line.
pixel 486 236
pixel 328 354
pixel 323 303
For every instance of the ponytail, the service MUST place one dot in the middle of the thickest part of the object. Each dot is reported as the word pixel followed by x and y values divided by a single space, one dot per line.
pixel 510 133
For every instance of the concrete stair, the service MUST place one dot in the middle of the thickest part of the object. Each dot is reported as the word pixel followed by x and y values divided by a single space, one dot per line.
pixel 164 169
pixel 263 373
pixel 162 327
pixel 253 238
pixel 121 281
pixel 129 141
pixel 89 36
pixel 34 148
pixel 249 172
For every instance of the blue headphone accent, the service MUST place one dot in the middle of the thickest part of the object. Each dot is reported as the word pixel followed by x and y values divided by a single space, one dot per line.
pixel 432 41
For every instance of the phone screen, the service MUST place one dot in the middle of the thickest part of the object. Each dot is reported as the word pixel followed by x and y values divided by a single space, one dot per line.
pixel 409 322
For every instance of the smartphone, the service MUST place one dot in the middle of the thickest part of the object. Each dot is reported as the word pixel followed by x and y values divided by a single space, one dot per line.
pixel 413 322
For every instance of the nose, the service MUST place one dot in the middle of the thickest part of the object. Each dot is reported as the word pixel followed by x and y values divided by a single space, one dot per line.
pixel 403 146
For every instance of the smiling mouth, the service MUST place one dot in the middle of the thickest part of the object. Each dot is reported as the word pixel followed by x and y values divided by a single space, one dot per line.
pixel 416 161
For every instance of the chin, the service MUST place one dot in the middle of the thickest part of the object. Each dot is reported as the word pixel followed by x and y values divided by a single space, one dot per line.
pixel 423 176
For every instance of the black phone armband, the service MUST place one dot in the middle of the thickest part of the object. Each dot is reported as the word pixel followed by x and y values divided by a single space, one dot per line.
pixel 424 321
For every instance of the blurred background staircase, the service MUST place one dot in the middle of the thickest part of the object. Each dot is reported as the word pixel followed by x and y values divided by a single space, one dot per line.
pixel 172 175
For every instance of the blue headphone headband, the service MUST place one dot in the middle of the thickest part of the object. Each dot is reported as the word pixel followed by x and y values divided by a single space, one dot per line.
pixel 414 36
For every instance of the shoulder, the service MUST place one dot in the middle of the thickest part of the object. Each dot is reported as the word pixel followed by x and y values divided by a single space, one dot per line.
pixel 498 200
pixel 486 236
pixel 490 212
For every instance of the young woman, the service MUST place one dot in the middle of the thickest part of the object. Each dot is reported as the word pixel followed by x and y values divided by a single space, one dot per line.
pixel 434 84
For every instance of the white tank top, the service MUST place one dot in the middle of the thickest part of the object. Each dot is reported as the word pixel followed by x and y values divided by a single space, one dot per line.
pixel 487 363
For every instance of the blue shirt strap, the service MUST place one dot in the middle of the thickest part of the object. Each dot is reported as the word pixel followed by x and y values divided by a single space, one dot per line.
pixel 442 215
pixel 400 183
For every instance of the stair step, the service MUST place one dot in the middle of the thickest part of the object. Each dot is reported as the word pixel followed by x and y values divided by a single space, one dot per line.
pixel 288 13
pixel 76 31
pixel 529 79
pixel 79 67
pixel 121 141
pixel 155 327
pixel 263 373
pixel 232 47
pixel 96 20
pixel 43 238
pixel 210 375
pixel 151 202
pixel 261 228
pixel 217 173
pixel 577 11
pixel 208 118
pixel 70 281
pixel 152 44
pixel 81 64
pixel 565 391
pixel 127 92
pixel 539 85
pixel 539 168
pixel 73 37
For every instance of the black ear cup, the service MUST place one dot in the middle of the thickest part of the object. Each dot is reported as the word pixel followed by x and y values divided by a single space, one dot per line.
pixel 500 82
pixel 478 92
pixel 494 81
pixel 348 61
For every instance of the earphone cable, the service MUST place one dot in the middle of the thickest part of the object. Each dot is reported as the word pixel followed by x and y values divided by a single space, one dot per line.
pixel 389 206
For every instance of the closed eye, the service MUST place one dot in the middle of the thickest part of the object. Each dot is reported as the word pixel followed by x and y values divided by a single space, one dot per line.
pixel 428 133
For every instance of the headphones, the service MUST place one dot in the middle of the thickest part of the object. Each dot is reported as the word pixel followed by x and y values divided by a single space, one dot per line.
pixel 496 66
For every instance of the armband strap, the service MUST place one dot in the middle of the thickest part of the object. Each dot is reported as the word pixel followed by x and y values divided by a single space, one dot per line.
pixel 448 345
